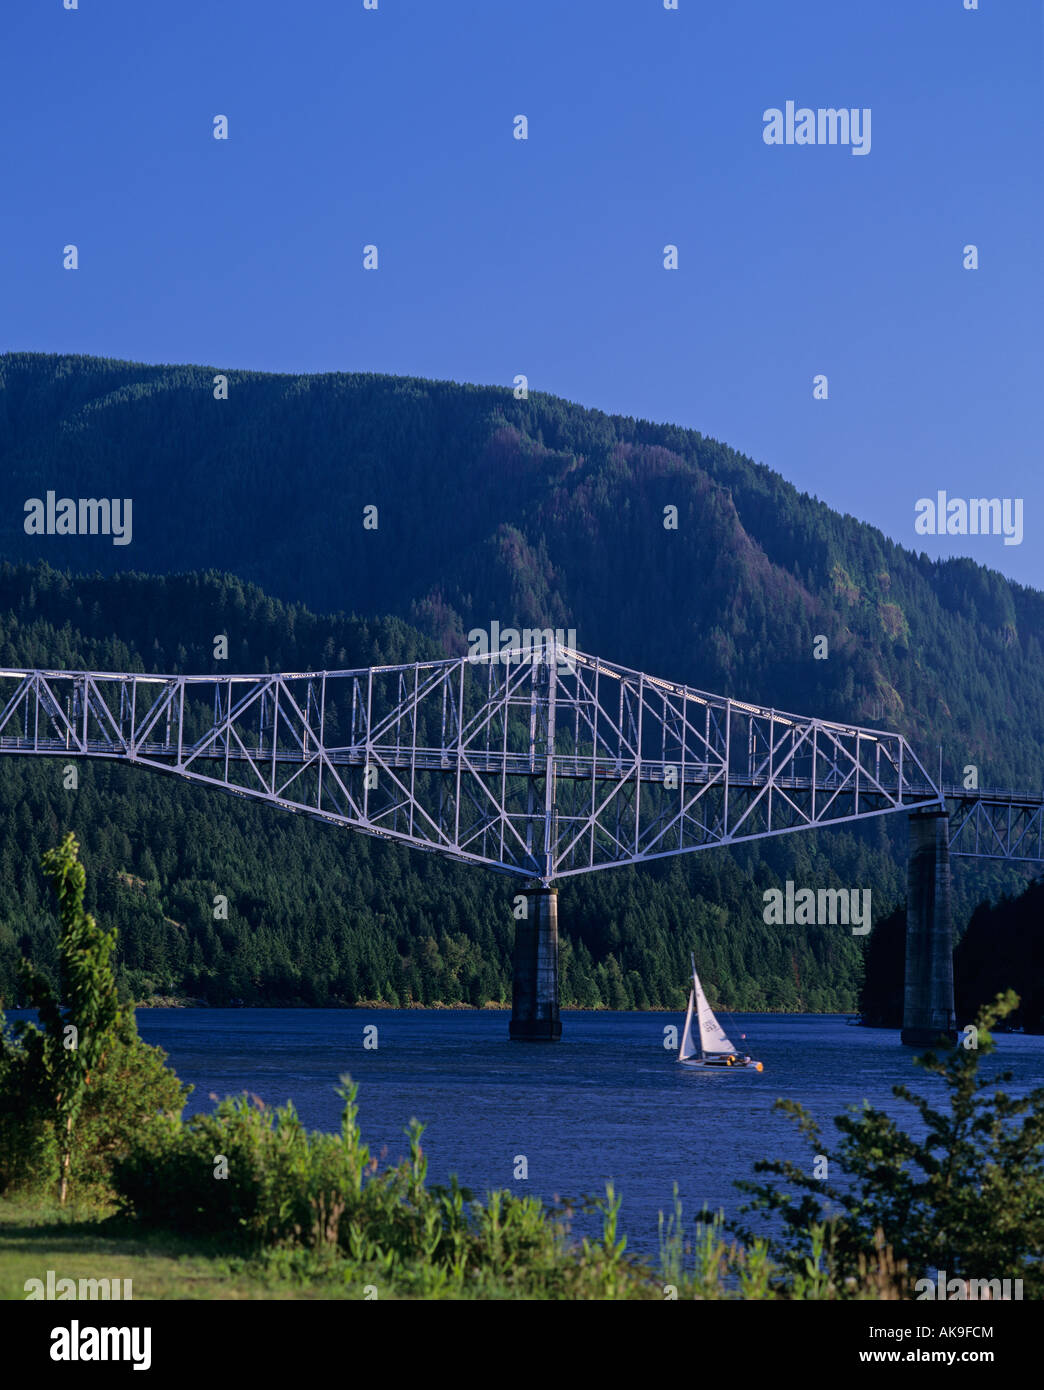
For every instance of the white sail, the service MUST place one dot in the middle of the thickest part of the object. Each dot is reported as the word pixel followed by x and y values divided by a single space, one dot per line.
pixel 712 1035
pixel 688 1047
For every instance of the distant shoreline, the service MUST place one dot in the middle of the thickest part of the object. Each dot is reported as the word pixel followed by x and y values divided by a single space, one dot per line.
pixel 188 1002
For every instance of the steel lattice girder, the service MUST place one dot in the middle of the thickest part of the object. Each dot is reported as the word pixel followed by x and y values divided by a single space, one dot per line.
pixel 998 825
pixel 542 763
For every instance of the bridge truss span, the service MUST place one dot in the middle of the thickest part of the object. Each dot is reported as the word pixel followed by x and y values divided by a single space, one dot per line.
pixel 540 763
pixel 996 824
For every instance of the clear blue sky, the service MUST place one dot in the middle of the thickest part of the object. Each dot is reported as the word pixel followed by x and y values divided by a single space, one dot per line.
pixel 545 257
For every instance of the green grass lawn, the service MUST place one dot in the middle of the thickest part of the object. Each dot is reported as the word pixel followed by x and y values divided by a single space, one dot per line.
pixel 36 1237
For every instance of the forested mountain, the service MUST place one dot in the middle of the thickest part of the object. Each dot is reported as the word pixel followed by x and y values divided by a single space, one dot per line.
pixel 531 513
pixel 321 916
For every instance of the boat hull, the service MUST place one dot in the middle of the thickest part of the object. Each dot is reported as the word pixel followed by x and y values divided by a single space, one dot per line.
pixel 723 1063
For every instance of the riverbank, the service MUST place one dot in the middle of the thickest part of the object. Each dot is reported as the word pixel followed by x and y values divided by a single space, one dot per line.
pixel 185 1001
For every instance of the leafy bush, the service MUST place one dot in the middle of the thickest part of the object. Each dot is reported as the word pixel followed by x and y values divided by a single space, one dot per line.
pixel 76 1092
pixel 967 1198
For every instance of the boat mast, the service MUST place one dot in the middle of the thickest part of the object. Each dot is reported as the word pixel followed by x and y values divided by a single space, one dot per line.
pixel 699 1012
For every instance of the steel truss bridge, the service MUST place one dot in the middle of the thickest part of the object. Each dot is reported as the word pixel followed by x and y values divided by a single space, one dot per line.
pixel 542 762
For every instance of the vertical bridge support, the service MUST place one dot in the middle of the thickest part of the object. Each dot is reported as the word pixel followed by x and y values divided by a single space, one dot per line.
pixel 928 1011
pixel 534 995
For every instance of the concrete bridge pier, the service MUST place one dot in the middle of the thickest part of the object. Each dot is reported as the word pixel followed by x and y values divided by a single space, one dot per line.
pixel 928 1012
pixel 534 995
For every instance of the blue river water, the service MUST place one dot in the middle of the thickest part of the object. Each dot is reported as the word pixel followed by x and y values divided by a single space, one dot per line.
pixel 607 1102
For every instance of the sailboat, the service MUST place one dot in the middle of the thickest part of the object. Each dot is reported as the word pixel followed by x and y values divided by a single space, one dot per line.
pixel 705 1044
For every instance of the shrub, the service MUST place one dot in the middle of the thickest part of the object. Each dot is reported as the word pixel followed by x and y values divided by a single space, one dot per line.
pixel 76 1091
pixel 968 1197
